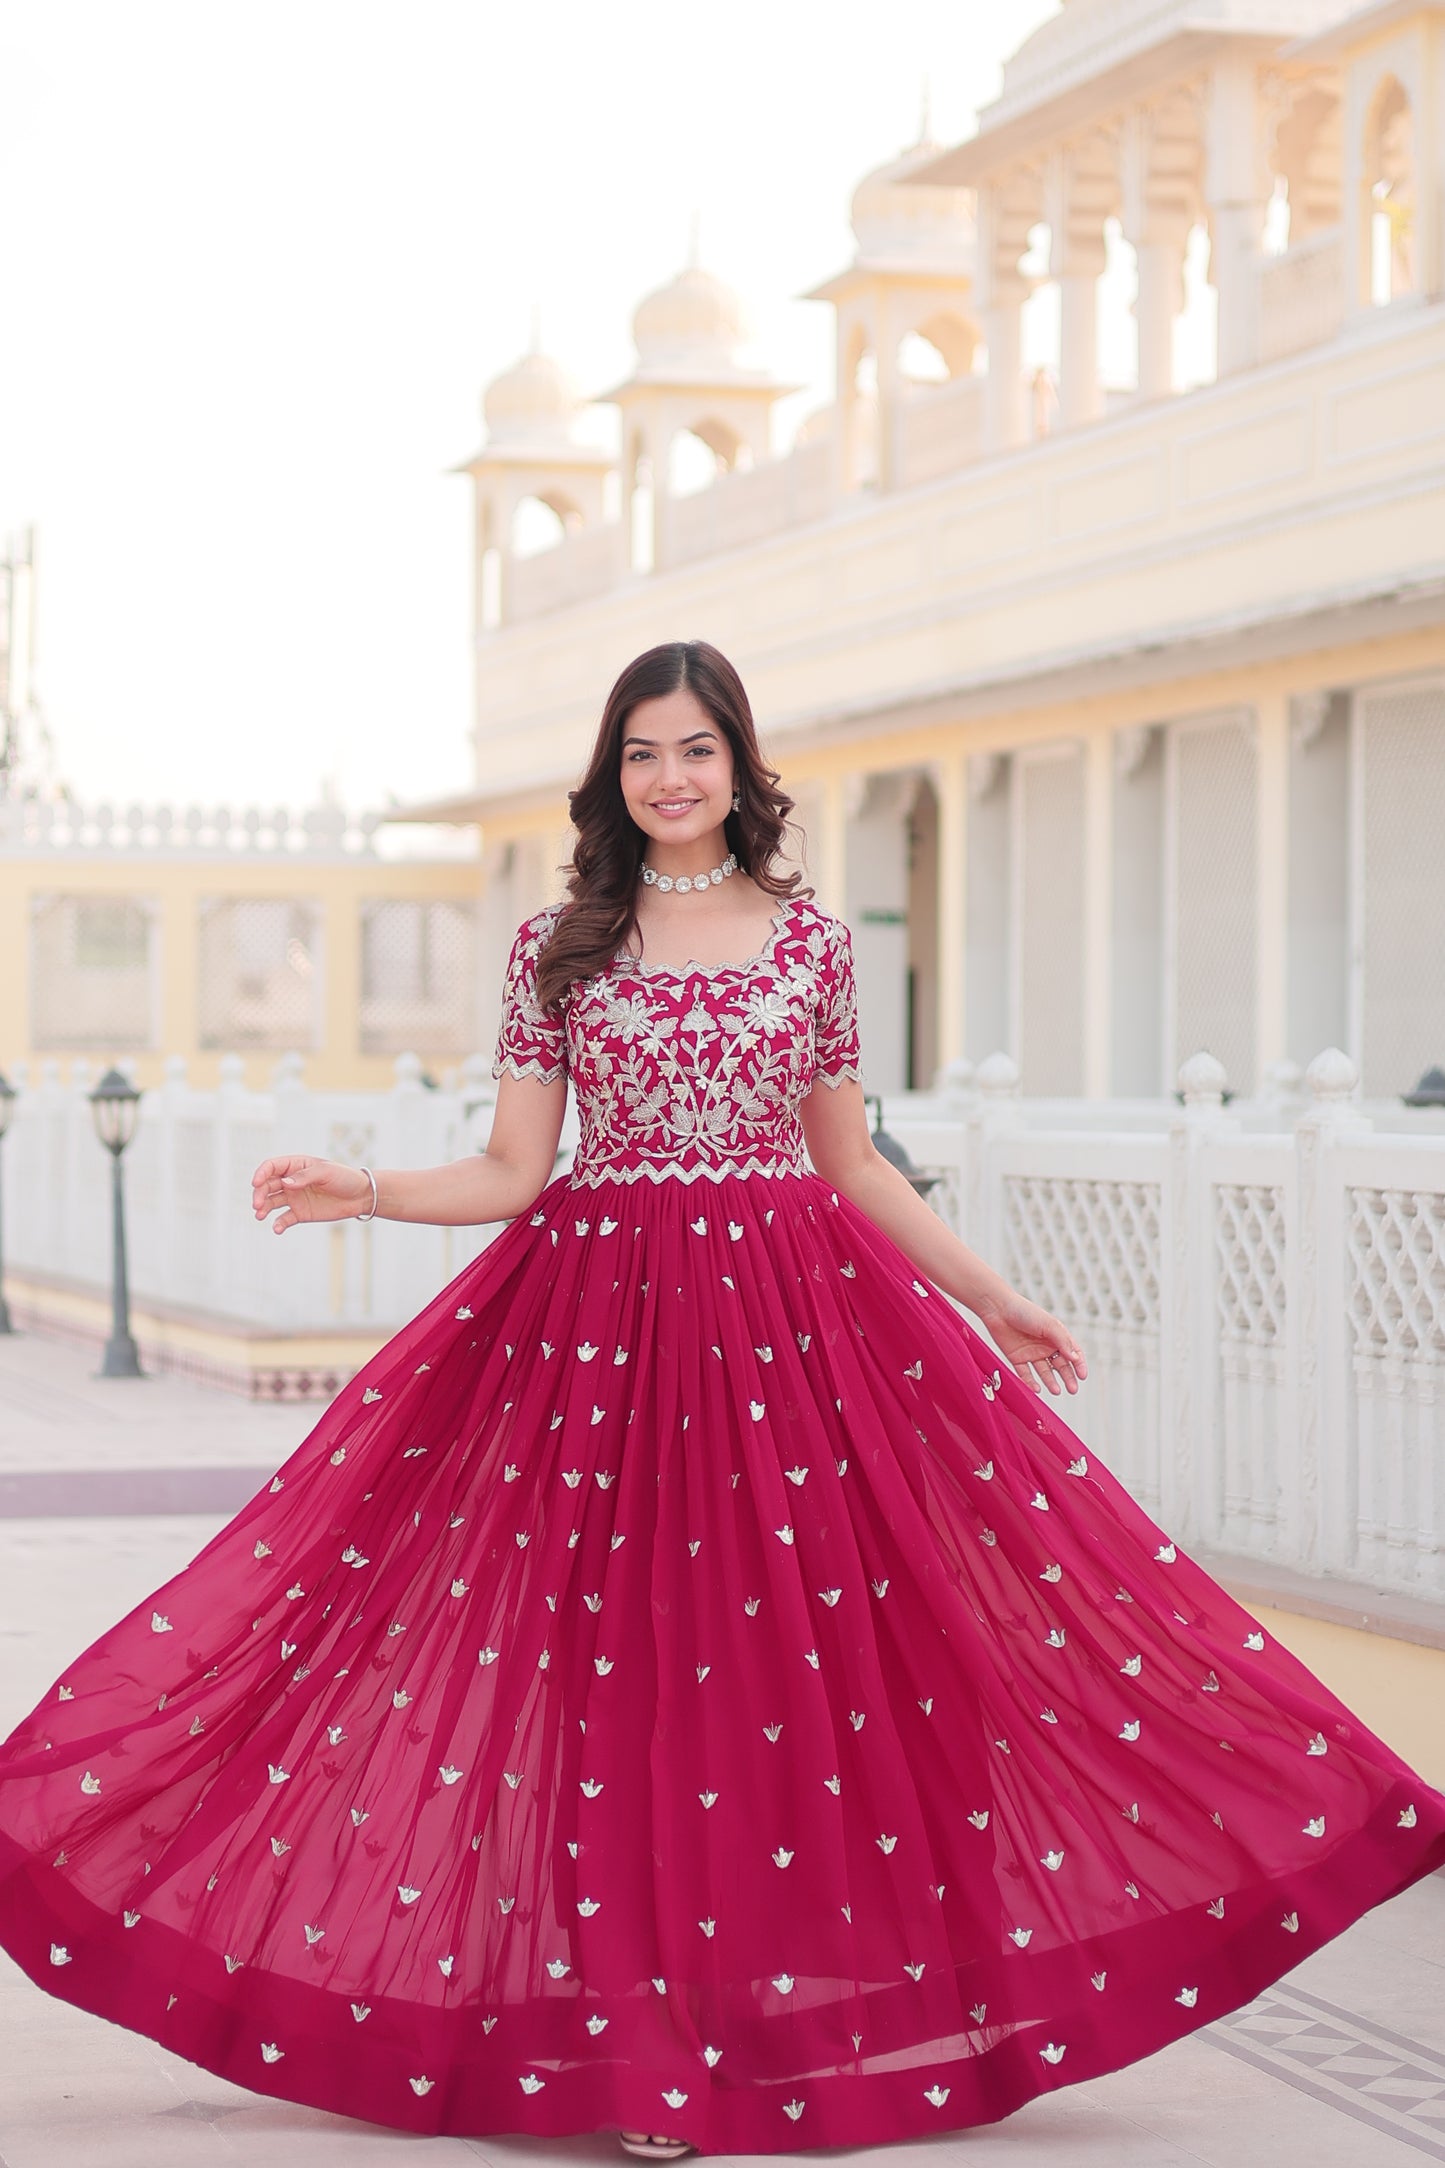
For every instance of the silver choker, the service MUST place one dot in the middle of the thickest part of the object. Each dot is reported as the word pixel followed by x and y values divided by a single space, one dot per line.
pixel 688 881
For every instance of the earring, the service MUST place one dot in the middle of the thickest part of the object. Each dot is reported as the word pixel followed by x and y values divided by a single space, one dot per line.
pixel 737 801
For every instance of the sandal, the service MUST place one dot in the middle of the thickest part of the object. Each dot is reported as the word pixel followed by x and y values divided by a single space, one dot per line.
pixel 649 2148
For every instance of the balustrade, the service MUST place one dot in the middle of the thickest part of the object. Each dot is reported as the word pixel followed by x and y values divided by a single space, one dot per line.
pixel 585 562
pixel 1260 1293
pixel 1258 1286
pixel 64 824
pixel 1301 296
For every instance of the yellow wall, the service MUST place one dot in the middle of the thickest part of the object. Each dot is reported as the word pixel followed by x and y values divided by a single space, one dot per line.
pixel 177 884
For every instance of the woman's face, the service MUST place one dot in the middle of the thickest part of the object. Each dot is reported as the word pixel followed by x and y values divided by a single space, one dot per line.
pixel 677 773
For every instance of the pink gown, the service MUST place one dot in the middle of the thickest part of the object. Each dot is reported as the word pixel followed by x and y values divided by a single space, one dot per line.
pixel 685 1683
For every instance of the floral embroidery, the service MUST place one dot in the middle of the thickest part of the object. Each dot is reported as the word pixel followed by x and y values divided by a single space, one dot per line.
pixel 696 1072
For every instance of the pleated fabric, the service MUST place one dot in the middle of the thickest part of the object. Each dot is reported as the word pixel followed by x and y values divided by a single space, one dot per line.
pixel 684 1683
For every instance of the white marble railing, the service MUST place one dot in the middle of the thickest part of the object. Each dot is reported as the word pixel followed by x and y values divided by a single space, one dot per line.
pixel 34 824
pixel 191 1238
pixel 1262 1301
pixel 1301 296
pixel 941 429
pixel 1259 1285
pixel 751 504
pixel 585 562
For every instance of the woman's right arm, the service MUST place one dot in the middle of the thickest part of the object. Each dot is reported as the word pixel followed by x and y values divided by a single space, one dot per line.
pixel 496 1184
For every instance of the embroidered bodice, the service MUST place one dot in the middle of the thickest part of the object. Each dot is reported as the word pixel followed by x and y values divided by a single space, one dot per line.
pixel 691 1071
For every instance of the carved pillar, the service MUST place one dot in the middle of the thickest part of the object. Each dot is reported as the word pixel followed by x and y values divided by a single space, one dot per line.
pixel 1158 162
pixel 1004 421
pixel 891 394
pixel 1000 291
pixel 949 776
pixel 1271 830
pixel 1235 190
pixel 1161 298
pixel 1098 1024
pixel 1076 258
pixel 842 799
pixel 1081 395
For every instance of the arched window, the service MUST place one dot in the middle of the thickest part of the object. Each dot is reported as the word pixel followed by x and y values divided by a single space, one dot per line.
pixel 698 454
pixel 1389 180
pixel 1305 159
pixel 940 349
pixel 540 522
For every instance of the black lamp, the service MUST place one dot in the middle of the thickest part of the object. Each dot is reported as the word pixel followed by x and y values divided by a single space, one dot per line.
pixel 115 1104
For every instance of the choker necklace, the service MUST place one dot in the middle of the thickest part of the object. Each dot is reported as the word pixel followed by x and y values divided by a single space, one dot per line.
pixel 687 881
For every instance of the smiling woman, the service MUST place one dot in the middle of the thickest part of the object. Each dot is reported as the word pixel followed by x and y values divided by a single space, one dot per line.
pixel 691 1683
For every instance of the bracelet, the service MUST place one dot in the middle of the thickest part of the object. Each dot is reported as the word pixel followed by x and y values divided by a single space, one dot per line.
pixel 374 1199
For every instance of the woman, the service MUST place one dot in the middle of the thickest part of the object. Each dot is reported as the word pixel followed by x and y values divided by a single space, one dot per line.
pixel 687 1684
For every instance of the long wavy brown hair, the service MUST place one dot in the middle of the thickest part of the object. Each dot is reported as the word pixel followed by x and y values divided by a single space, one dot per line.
pixel 599 915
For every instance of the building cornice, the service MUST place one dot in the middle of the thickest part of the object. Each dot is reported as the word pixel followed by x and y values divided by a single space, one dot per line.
pixel 1362 28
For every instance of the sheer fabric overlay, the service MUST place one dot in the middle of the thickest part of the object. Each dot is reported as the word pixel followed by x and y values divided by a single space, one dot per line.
pixel 685 1683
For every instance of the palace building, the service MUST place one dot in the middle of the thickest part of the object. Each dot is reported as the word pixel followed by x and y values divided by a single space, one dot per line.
pixel 1112 696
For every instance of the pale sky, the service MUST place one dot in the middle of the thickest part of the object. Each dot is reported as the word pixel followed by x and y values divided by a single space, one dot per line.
pixel 258 263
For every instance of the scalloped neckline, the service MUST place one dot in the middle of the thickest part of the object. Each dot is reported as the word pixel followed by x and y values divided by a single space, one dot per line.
pixel 692 968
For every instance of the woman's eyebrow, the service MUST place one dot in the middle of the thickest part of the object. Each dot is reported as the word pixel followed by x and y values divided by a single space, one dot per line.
pixel 681 741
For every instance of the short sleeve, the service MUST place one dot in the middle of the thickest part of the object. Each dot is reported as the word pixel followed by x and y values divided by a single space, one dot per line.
pixel 837 1054
pixel 532 1041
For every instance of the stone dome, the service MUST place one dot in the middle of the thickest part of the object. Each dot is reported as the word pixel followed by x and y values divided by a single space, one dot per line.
pixel 534 398
pixel 891 219
pixel 694 317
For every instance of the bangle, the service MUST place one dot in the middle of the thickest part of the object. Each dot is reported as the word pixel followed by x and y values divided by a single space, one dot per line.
pixel 374 1199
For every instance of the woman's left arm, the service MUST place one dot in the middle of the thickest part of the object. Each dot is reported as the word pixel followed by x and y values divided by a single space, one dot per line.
pixel 840 1145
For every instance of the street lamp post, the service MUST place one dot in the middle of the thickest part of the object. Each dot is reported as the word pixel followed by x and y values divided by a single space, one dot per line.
pixel 8 1097
pixel 115 1103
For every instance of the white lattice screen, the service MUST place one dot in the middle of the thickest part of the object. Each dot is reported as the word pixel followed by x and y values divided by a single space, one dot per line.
pixel 1050 894
pixel 418 976
pixel 91 974
pixel 1397 1273
pixel 259 969
pixel 1249 1237
pixel 1089 1251
pixel 1213 901
pixel 1400 866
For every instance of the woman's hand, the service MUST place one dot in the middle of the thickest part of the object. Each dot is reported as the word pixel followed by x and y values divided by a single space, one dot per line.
pixel 1042 1351
pixel 310 1189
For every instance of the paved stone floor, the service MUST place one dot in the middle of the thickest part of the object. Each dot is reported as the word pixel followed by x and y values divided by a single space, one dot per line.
pixel 1340 2065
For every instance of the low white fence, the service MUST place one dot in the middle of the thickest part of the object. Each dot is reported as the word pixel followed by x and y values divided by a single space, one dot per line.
pixel 1263 1308
pixel 941 429
pixel 750 504
pixel 587 561
pixel 1302 296
pixel 1260 1286
pixel 191 1237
